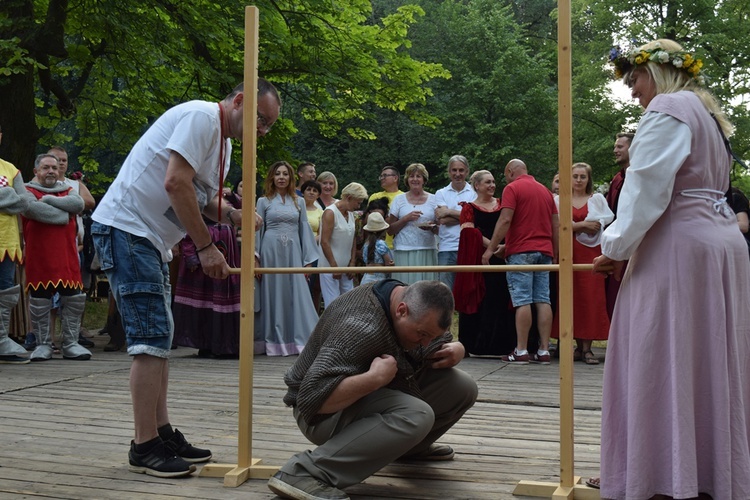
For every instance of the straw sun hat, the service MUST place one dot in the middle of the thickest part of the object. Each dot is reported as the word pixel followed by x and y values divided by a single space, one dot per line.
pixel 375 223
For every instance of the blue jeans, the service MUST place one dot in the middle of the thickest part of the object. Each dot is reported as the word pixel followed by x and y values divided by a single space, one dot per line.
pixel 528 287
pixel 447 259
pixel 139 281
pixel 7 273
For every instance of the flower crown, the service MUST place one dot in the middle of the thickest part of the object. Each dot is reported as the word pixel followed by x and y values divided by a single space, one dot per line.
pixel 625 61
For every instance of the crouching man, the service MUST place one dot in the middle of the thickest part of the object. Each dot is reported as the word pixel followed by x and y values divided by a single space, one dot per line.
pixel 375 383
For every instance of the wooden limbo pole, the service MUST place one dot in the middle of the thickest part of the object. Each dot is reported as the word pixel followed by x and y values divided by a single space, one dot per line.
pixel 250 468
pixel 246 466
pixel 568 487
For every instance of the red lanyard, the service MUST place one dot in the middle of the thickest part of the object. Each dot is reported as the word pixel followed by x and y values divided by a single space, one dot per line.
pixel 221 162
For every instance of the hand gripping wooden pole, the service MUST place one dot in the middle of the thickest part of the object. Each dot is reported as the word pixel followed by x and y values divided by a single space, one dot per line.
pixel 246 466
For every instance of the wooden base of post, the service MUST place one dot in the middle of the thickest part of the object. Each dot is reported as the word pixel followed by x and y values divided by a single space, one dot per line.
pixel 234 475
pixel 556 491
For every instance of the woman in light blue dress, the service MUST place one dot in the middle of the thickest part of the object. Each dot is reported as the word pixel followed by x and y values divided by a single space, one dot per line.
pixel 287 315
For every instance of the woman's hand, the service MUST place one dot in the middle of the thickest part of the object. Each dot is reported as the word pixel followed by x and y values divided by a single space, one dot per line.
pixel 606 266
pixel 413 215
pixel 500 252
pixel 257 265
pixel 591 227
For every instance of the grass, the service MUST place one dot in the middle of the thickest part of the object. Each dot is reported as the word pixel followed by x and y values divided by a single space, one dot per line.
pixel 96 314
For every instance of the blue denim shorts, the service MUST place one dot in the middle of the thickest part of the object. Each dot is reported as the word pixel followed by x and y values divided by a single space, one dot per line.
pixel 528 287
pixel 139 281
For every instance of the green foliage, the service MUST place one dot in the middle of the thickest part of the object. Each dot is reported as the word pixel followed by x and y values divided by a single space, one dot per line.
pixel 719 33
pixel 364 83
pixel 119 65
pixel 498 103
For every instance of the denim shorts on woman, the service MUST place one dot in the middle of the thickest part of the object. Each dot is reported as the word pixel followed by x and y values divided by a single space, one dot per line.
pixel 139 281
pixel 528 287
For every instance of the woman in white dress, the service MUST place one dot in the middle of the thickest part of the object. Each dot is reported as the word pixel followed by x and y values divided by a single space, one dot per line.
pixel 337 247
pixel 412 224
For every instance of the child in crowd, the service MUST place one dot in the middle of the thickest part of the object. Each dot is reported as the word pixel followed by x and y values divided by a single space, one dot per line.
pixel 375 252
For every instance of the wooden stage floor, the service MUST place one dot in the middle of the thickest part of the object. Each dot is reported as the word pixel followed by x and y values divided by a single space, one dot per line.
pixel 65 428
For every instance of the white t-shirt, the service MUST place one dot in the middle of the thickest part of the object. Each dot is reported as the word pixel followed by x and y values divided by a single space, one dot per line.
pixel 411 237
pixel 137 202
pixel 79 220
pixel 450 198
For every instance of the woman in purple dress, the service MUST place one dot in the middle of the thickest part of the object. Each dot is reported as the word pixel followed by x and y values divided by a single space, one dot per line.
pixel 676 400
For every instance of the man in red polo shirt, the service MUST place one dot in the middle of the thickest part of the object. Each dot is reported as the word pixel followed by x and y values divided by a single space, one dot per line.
pixel 529 225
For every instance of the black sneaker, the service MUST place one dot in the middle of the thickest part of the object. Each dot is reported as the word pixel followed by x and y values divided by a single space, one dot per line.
pixel 160 461
pixel 435 453
pixel 84 341
pixel 303 488
pixel 12 359
pixel 178 445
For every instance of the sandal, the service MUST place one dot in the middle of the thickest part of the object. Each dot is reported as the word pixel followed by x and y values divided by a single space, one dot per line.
pixel 577 355
pixel 593 482
pixel 589 358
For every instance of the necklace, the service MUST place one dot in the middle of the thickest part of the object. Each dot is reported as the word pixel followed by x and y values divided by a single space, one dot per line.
pixel 415 200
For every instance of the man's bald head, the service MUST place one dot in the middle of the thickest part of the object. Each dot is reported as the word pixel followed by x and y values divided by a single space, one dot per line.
pixel 514 169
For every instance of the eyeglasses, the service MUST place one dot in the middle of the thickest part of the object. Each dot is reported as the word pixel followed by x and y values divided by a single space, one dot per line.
pixel 383 176
pixel 263 124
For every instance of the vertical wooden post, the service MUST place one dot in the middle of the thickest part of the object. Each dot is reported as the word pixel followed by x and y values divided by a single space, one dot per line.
pixel 246 467
pixel 565 276
pixel 568 487
pixel 247 288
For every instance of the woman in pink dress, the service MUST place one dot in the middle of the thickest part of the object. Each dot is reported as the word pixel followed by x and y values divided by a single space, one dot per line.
pixel 676 401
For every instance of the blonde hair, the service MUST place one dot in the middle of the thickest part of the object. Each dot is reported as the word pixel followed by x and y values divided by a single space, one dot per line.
pixel 354 190
pixel 477 177
pixel 669 79
pixel 324 176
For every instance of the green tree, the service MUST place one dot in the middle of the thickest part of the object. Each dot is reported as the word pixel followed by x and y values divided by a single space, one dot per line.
pixel 97 73
pixel 719 32
pixel 498 104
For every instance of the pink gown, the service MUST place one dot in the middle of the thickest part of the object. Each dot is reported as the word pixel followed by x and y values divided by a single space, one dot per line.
pixel 676 402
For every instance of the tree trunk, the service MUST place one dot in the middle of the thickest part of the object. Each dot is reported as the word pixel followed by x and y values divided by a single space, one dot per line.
pixel 18 120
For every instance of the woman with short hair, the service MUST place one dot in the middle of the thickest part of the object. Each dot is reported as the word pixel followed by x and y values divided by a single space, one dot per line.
pixel 337 247
pixel 412 224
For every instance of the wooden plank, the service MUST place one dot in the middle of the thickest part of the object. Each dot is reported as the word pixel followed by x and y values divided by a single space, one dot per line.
pixel 67 426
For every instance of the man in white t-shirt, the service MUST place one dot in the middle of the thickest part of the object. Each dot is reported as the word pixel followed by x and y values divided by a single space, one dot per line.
pixel 169 179
pixel 448 213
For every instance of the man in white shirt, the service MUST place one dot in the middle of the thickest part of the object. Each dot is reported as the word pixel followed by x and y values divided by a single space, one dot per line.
pixel 448 213
pixel 171 177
